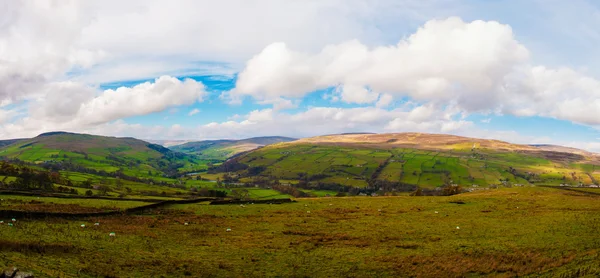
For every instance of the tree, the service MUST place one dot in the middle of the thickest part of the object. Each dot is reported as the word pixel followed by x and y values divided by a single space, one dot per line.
pixel 119 183
pixel 89 193
pixel 241 194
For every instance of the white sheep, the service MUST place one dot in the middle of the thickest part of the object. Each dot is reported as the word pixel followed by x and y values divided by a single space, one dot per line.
pixel 82 225
pixel 228 230
pixel 112 234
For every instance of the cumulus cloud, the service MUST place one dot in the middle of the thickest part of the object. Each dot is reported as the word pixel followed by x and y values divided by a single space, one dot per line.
pixel 474 66
pixel 76 107
pixel 37 44
pixel 327 120
pixel 444 60
pixel 194 112
pixel 141 99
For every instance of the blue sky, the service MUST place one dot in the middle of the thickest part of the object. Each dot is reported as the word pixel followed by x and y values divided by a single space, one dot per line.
pixel 521 71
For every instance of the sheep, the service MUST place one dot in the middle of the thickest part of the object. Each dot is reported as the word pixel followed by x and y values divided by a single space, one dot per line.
pixel 82 225
pixel 186 223
pixel 112 234
pixel 308 211
pixel 457 227
pixel 228 230
pixel 96 224
pixel 14 220
pixel 1 222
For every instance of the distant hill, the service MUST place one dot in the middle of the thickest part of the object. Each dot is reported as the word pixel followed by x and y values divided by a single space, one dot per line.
pixel 167 143
pixel 9 142
pixel 556 148
pixel 78 152
pixel 409 160
pixel 223 149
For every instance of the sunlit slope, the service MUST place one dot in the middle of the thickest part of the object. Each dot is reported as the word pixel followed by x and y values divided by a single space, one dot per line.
pixel 427 160
pixel 131 156
pixel 223 149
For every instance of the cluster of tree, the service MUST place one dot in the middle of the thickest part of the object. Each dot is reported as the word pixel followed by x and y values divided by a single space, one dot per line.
pixel 56 166
pixel 205 192
pixel 28 178
pixel 291 190
pixel 232 165
pixel 530 177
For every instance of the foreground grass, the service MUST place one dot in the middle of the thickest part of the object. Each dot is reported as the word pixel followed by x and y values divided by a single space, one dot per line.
pixel 504 232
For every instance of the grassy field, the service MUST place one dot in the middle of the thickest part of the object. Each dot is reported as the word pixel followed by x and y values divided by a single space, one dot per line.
pixel 130 156
pixel 526 231
pixel 353 166
pixel 49 204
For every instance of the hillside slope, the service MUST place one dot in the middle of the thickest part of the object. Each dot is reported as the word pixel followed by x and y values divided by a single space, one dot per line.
pixel 424 160
pixel 109 154
pixel 223 149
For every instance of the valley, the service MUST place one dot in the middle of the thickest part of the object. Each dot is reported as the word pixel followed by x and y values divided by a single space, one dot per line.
pixel 403 204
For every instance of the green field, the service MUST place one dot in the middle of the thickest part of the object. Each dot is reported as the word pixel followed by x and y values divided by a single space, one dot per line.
pixel 526 231
pixel 129 156
pixel 355 166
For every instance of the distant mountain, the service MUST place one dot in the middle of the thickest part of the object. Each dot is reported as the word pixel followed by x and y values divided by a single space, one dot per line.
pixel 223 149
pixel 556 148
pixel 167 143
pixel 84 152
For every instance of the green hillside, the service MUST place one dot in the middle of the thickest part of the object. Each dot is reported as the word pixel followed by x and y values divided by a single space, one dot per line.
pixel 220 150
pixel 423 160
pixel 89 153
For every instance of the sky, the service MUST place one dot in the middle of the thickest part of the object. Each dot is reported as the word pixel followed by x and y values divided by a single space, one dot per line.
pixel 523 71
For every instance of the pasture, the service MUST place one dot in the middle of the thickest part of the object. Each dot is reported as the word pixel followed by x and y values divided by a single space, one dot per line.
pixel 353 166
pixel 525 231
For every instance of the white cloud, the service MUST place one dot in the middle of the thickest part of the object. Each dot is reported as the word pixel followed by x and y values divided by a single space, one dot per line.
pixel 194 112
pixel 473 66
pixel 327 120
pixel 384 100
pixel 444 60
pixel 37 44
pixel 72 106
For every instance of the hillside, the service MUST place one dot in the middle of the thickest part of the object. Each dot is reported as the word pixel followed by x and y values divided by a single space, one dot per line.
pixel 408 160
pixel 223 149
pixel 89 153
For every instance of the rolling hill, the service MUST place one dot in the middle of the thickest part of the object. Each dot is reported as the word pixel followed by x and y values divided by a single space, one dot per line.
pixel 414 159
pixel 83 152
pixel 222 149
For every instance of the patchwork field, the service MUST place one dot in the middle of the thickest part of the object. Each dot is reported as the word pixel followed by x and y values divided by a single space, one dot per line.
pixel 527 231
pixel 467 164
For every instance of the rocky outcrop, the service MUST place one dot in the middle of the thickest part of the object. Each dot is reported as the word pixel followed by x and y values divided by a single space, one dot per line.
pixel 13 272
